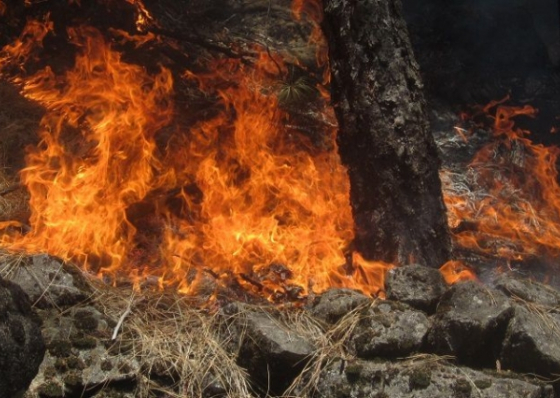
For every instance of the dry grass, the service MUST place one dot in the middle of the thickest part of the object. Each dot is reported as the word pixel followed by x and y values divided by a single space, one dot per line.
pixel 180 348
pixel 331 343
pixel 546 321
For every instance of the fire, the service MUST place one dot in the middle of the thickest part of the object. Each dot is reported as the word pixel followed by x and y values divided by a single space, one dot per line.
pixel 455 271
pixel 97 152
pixel 237 198
pixel 511 206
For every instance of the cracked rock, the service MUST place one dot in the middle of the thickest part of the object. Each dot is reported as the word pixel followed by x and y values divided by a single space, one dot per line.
pixel 470 323
pixel 389 329
pixel 418 286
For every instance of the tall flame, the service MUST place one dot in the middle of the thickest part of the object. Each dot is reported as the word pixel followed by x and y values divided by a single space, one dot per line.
pixel 238 197
pixel 97 152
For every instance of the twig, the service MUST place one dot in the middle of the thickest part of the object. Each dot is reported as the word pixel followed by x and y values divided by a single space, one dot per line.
pixel 122 318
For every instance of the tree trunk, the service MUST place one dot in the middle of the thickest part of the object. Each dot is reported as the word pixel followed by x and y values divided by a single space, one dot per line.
pixel 384 137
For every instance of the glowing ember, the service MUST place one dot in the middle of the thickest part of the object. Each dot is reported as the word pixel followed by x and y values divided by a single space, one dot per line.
pixel 236 198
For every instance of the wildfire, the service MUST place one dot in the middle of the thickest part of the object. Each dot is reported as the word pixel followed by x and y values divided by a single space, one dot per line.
pixel 121 186
pixel 237 198
pixel 510 207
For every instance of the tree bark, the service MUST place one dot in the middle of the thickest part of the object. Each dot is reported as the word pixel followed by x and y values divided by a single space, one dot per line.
pixel 384 138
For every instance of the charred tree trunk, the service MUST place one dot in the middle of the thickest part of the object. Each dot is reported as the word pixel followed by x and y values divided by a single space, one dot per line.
pixel 384 137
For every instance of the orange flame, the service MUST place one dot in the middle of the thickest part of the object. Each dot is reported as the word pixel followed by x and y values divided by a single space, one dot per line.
pixel 455 271
pixel 516 212
pixel 143 17
pixel 96 155
pixel 237 198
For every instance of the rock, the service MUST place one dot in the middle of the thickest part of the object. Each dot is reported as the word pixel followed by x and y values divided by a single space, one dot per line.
pixel 532 343
pixel 389 329
pixel 272 354
pixel 527 290
pixel 49 282
pixel 334 304
pixel 419 379
pixel 420 287
pixel 80 353
pixel 470 323
pixel 21 344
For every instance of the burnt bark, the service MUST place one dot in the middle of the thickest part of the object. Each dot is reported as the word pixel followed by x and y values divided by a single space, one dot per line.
pixel 384 138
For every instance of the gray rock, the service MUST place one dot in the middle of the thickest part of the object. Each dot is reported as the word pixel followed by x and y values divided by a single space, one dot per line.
pixel 49 282
pixel 21 344
pixel 420 287
pixel 420 379
pixel 334 304
pixel 80 353
pixel 470 324
pixel 532 343
pixel 389 329
pixel 272 354
pixel 527 290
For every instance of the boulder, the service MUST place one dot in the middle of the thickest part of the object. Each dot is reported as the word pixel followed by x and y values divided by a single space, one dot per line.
pixel 21 344
pixel 427 378
pixel 389 329
pixel 470 324
pixel 532 342
pixel 334 304
pixel 272 353
pixel 420 287
pixel 81 356
pixel 49 281
pixel 528 290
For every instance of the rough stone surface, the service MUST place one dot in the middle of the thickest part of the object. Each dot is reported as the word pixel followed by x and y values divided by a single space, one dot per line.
pixel 21 344
pixel 389 329
pixel 470 323
pixel 421 287
pixel 420 379
pixel 334 304
pixel 272 354
pixel 532 343
pixel 80 353
pixel 527 290
pixel 48 282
